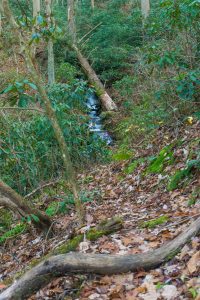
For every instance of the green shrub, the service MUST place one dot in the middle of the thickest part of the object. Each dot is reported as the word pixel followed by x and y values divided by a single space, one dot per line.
pixel 177 179
pixel 30 153
pixel 66 73
pixel 165 157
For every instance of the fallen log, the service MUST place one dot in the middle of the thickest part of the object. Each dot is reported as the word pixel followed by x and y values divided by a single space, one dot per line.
pixel 106 101
pixel 103 264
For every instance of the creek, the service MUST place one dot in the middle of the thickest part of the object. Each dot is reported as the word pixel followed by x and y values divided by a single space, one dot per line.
pixel 96 122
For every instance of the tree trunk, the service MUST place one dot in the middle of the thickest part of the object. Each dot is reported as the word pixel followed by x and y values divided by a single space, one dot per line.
pixel 71 263
pixel 51 69
pixel 0 24
pixel 12 200
pixel 71 20
pixel 145 7
pixel 107 102
pixel 36 8
pixel 105 99
pixel 92 4
pixel 69 170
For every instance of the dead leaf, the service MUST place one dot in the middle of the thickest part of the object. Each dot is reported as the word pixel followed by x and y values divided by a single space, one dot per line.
pixel 2 286
pixel 169 292
pixel 194 262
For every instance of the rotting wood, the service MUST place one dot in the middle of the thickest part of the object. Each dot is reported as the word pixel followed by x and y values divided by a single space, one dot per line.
pixel 102 264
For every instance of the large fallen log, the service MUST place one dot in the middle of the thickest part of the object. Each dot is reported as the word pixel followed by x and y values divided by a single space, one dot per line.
pixel 103 264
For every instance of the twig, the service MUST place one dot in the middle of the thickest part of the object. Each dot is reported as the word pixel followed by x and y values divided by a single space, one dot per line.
pixel 22 109
pixel 41 187
pixel 89 32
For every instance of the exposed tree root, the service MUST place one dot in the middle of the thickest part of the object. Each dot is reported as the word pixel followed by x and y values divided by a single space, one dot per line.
pixel 71 263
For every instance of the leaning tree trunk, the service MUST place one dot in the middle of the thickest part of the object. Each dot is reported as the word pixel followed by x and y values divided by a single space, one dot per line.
pixel 12 200
pixel 51 69
pixel 71 263
pixel 107 102
pixel 69 170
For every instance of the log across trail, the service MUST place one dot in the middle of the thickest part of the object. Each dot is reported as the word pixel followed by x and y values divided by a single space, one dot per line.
pixel 71 263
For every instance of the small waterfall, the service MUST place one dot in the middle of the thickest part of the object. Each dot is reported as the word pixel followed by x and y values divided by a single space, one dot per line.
pixel 95 123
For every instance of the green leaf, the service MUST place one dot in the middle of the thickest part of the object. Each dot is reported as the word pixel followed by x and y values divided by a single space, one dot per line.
pixel 10 88
pixel 23 101
pixel 35 218
pixel 32 85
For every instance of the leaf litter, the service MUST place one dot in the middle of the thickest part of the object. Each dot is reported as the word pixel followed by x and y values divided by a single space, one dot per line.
pixel 137 198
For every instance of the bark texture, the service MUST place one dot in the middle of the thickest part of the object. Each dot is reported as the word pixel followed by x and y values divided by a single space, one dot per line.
pixel 12 200
pixel 145 7
pixel 103 264
pixel 51 68
pixel 36 7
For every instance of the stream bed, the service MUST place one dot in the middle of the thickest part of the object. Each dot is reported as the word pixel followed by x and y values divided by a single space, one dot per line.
pixel 96 122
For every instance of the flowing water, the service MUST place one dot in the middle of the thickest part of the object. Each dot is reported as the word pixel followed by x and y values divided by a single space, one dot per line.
pixel 95 123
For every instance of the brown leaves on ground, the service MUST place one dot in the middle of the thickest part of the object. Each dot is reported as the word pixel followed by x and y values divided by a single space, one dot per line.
pixel 136 198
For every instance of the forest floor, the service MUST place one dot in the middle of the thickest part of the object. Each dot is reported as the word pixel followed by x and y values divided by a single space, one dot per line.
pixel 136 197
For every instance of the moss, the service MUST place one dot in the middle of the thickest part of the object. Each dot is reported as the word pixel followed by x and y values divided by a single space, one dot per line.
pixel 180 175
pixel 164 158
pixel 18 229
pixel 153 223
pixel 122 155
pixel 105 227
pixel 133 165
pixel 52 208
pixel 176 179
pixel 70 245
pixel 172 254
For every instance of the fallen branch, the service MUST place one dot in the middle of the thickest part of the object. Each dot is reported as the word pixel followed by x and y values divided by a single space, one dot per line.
pixel 103 264
pixel 41 188
pixel 22 109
